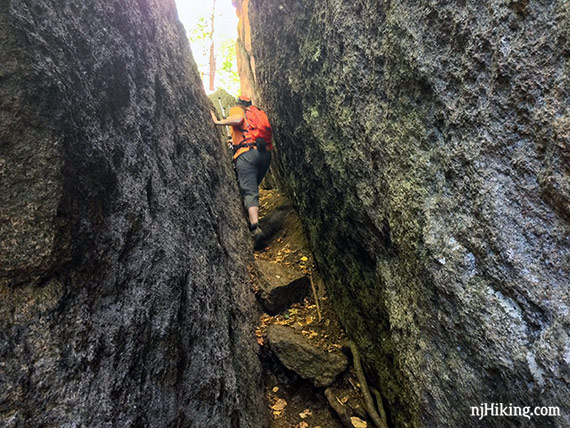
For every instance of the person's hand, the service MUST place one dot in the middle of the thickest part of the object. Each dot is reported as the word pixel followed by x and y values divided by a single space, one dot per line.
pixel 214 118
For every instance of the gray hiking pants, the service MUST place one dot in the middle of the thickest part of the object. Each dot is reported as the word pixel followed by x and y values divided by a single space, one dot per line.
pixel 251 167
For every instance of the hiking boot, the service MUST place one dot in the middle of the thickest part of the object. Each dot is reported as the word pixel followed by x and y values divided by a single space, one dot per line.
pixel 258 235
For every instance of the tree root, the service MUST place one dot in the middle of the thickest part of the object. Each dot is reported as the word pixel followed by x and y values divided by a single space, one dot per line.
pixel 315 295
pixel 370 407
pixel 379 404
pixel 342 411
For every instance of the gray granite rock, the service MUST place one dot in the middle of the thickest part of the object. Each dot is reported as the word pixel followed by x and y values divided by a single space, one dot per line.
pixel 426 147
pixel 124 294
pixel 280 286
pixel 307 360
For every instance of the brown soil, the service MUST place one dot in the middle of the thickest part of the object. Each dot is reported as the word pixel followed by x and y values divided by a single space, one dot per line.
pixel 292 401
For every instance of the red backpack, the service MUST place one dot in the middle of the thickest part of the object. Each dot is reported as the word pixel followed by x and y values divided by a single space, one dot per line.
pixel 256 126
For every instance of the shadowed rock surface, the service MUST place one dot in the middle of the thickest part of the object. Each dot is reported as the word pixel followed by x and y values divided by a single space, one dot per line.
pixel 426 147
pixel 125 298
pixel 308 361
pixel 280 286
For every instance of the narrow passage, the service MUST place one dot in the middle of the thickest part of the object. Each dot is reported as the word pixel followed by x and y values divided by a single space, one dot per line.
pixel 303 347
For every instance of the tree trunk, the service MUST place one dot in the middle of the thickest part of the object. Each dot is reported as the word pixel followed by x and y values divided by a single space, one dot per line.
pixel 212 54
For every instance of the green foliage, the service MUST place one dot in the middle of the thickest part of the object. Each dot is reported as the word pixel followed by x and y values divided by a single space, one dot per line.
pixel 227 73
pixel 200 32
pixel 225 52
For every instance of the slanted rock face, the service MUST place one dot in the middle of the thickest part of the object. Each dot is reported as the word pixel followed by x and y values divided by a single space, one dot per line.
pixel 124 293
pixel 307 360
pixel 426 147
pixel 244 54
pixel 222 102
pixel 280 286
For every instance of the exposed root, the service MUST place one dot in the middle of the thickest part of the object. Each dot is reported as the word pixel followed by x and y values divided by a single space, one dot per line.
pixel 370 407
pixel 379 404
pixel 342 411
pixel 315 295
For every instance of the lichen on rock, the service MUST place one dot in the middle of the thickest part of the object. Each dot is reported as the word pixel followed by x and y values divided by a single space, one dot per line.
pixel 125 294
pixel 424 145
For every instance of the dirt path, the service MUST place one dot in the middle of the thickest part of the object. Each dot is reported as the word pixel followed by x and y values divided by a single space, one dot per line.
pixel 293 401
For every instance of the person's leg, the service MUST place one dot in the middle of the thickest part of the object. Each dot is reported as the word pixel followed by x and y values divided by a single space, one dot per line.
pixel 263 160
pixel 247 177
pixel 263 163
pixel 253 213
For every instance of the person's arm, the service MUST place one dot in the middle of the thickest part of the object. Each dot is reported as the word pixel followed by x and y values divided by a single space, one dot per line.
pixel 233 120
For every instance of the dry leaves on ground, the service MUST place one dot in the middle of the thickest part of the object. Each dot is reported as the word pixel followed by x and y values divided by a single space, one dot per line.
pixel 278 407
pixel 358 423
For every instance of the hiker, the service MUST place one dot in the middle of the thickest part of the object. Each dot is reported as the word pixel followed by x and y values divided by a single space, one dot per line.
pixel 251 142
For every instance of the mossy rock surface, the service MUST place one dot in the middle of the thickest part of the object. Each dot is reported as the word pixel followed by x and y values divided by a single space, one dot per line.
pixel 424 145
pixel 226 100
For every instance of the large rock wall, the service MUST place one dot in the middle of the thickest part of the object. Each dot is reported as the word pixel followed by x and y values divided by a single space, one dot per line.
pixel 244 53
pixel 123 282
pixel 426 146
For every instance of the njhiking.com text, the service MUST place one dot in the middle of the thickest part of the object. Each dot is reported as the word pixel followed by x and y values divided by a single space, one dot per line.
pixel 500 410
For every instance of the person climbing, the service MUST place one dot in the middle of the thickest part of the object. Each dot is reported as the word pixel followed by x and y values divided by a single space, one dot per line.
pixel 251 142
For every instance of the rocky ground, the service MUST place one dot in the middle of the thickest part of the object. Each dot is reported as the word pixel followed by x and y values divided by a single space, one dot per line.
pixel 304 342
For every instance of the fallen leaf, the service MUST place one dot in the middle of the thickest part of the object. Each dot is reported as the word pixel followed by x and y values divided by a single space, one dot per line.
pixel 279 405
pixel 358 423
pixel 304 259
pixel 275 389
pixel 309 333
pixel 305 413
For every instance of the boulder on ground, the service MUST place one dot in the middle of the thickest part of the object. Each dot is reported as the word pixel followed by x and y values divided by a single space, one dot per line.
pixel 307 360
pixel 226 100
pixel 280 286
